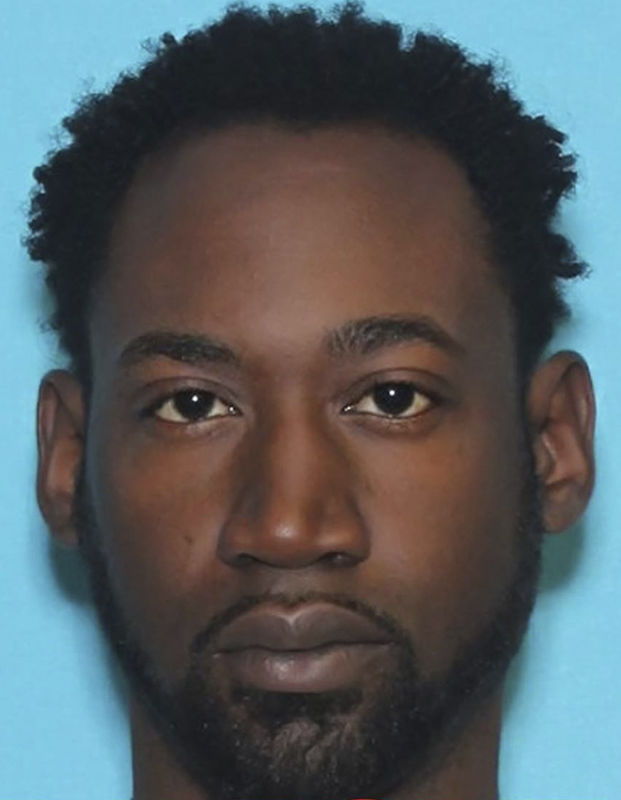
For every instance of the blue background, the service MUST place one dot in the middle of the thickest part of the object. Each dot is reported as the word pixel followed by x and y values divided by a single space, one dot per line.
pixel 63 734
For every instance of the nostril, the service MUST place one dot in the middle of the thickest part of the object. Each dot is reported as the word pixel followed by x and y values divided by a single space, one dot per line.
pixel 334 558
pixel 245 560
pixel 338 558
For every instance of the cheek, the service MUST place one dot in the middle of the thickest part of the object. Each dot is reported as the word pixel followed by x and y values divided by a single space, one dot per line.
pixel 444 521
pixel 159 514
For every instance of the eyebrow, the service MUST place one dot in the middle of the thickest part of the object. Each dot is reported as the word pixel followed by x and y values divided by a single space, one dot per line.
pixel 189 348
pixel 359 337
pixel 365 336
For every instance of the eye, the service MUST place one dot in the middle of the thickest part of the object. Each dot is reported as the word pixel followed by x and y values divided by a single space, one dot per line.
pixel 396 399
pixel 191 406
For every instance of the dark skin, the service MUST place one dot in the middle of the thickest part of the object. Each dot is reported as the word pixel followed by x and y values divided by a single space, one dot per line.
pixel 263 245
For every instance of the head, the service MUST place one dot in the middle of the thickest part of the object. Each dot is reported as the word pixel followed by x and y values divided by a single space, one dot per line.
pixel 305 271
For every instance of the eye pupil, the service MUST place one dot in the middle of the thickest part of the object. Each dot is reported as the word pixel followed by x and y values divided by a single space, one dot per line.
pixel 393 398
pixel 194 405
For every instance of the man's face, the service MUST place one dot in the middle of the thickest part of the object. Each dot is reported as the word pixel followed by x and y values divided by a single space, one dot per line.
pixel 306 490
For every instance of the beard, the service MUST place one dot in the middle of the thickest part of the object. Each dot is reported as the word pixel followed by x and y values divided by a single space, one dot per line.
pixel 337 744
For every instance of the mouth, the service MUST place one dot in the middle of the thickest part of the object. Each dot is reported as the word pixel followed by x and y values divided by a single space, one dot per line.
pixel 314 648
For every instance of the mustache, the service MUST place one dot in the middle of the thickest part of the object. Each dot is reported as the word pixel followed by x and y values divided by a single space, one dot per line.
pixel 385 622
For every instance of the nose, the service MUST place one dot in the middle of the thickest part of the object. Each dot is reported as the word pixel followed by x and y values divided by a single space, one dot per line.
pixel 295 504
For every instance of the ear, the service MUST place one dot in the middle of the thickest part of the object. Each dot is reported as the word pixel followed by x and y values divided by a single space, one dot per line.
pixel 561 410
pixel 60 435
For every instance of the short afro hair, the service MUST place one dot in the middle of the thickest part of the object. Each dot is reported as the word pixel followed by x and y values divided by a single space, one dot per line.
pixel 303 69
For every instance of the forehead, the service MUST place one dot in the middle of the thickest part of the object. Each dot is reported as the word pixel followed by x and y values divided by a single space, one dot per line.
pixel 265 236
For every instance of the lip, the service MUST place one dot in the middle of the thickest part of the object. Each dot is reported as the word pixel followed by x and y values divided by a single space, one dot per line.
pixel 320 669
pixel 307 627
pixel 312 648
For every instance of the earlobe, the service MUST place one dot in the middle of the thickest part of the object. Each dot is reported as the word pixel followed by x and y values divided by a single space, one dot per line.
pixel 561 410
pixel 60 436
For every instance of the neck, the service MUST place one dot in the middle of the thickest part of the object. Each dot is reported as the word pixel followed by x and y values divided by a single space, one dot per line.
pixel 157 775
pixel 468 772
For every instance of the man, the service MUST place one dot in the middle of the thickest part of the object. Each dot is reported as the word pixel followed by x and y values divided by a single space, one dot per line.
pixel 308 445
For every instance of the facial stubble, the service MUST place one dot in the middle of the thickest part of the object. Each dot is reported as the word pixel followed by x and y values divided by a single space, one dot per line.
pixel 337 745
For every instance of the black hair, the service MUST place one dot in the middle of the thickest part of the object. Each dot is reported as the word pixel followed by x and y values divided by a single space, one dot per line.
pixel 304 69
